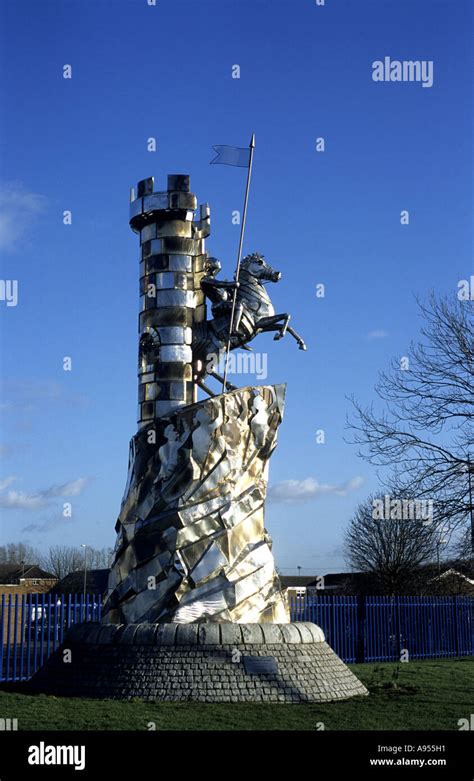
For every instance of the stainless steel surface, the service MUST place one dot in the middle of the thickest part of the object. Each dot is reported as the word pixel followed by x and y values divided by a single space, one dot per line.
pixel 191 538
pixel 155 202
pixel 176 352
pixel 198 495
pixel 180 263
pixel 136 207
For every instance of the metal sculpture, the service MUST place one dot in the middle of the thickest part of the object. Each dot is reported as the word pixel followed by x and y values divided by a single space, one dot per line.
pixel 191 541
pixel 254 314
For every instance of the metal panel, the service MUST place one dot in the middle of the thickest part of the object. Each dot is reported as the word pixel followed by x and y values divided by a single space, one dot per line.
pixel 155 202
pixel 166 407
pixel 180 263
pixel 148 232
pixel 146 411
pixel 156 247
pixel 187 201
pixel 174 335
pixel 176 245
pixel 179 182
pixel 152 391
pixel 177 391
pixel 178 352
pixel 136 207
pixel 174 228
pixel 260 665
pixel 165 280
pixel 146 186
pixel 211 561
pixel 172 298
pixel 156 263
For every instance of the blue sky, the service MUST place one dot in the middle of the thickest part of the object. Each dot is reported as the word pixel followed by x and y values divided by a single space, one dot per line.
pixel 329 217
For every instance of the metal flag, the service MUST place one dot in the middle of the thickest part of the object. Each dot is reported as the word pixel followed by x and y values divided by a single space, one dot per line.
pixel 232 155
pixel 239 156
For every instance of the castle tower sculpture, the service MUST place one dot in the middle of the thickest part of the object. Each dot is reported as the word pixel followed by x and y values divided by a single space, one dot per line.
pixel 172 257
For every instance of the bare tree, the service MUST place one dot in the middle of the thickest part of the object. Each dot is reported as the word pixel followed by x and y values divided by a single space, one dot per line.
pixel 387 548
pixel 99 558
pixel 426 431
pixel 13 553
pixel 60 560
pixel 461 548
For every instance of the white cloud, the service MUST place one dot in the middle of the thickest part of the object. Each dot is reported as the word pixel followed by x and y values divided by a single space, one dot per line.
pixel 377 334
pixel 19 500
pixel 46 525
pixel 309 488
pixel 38 500
pixel 6 482
pixel 19 208
pixel 73 488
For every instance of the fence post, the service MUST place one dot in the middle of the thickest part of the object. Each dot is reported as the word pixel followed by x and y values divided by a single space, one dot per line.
pixel 361 612
pixel 456 625
pixel 2 631
pixel 22 635
pixel 9 626
pixel 29 610
pixel 16 598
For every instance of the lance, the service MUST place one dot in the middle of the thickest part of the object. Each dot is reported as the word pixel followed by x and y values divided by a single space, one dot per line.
pixel 239 255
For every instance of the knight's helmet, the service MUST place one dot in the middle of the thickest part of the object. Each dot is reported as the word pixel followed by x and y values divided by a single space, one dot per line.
pixel 212 266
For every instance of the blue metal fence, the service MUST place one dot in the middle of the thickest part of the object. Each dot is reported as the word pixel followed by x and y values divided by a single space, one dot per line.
pixel 337 617
pixel 383 629
pixel 32 626
pixel 370 629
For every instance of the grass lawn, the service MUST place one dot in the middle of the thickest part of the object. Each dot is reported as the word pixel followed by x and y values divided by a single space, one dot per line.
pixel 426 695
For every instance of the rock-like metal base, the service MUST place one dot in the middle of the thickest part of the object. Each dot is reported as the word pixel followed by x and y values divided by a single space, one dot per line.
pixel 191 538
pixel 205 662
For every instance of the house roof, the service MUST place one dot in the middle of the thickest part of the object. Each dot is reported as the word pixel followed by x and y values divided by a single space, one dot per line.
pixel 288 581
pixel 339 578
pixel 73 583
pixel 453 573
pixel 331 579
pixel 10 573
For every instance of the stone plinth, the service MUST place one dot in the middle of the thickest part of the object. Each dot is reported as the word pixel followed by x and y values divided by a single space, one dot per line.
pixel 206 662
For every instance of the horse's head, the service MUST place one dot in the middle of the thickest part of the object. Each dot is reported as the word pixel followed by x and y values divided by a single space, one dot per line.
pixel 256 265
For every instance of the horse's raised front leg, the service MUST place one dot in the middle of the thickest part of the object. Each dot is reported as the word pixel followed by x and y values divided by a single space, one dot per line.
pixel 298 338
pixel 284 327
pixel 274 323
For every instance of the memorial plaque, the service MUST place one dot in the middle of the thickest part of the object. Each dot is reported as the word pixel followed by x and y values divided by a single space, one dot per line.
pixel 260 665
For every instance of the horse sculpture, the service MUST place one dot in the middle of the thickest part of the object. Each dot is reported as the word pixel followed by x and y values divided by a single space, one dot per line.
pixel 253 314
